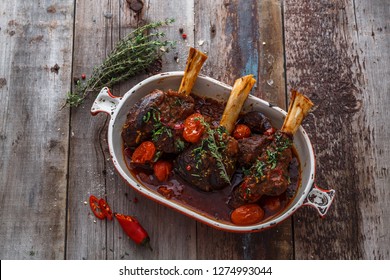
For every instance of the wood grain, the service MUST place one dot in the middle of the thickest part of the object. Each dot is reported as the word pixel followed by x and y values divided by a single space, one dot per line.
pixel 333 54
pixel 233 33
pixel 86 235
pixel 53 159
pixel 371 135
pixel 35 59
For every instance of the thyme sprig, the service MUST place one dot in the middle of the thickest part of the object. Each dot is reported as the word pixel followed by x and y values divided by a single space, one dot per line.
pixel 131 55
pixel 213 147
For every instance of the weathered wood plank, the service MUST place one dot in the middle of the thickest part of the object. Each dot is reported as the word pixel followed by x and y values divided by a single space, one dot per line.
pixel 35 59
pixel 371 131
pixel 91 172
pixel 240 38
pixel 86 235
pixel 334 54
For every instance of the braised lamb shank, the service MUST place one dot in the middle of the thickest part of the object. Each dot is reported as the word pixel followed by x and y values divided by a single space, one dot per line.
pixel 210 163
pixel 268 169
pixel 159 116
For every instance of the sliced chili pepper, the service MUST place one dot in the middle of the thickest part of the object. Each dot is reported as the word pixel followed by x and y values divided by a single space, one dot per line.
pixel 144 152
pixel 105 208
pixel 94 204
pixel 133 229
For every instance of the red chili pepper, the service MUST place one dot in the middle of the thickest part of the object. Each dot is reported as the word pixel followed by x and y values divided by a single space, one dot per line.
pixel 94 204
pixel 105 208
pixel 133 229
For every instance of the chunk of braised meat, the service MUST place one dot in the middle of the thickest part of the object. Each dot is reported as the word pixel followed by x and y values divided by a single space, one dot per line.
pixel 210 108
pixel 251 148
pixel 158 117
pixel 268 174
pixel 210 163
pixel 256 121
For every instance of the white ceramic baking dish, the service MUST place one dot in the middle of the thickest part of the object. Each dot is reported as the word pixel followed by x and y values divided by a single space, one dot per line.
pixel 117 107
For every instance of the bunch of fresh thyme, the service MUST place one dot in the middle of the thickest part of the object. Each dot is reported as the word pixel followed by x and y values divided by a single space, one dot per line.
pixel 133 54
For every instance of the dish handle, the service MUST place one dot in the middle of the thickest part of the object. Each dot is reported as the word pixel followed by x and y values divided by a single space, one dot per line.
pixel 320 199
pixel 105 102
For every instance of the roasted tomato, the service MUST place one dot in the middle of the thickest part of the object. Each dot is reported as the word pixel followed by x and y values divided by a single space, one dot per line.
pixel 247 214
pixel 144 152
pixel 162 169
pixel 193 128
pixel 241 131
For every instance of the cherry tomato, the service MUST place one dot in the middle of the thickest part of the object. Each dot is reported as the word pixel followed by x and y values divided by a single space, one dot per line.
pixel 241 131
pixel 105 208
pixel 133 229
pixel 94 204
pixel 247 214
pixel 162 169
pixel 193 128
pixel 144 152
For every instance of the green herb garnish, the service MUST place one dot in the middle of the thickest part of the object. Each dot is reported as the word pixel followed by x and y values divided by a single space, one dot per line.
pixel 282 143
pixel 146 117
pixel 180 145
pixel 132 55
pixel 272 158
pixel 213 147
pixel 259 168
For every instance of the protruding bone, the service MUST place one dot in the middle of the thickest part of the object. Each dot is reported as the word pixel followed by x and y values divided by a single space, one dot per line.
pixel 298 109
pixel 238 95
pixel 195 62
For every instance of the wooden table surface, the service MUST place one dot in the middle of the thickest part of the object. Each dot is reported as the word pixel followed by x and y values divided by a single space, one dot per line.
pixel 53 159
